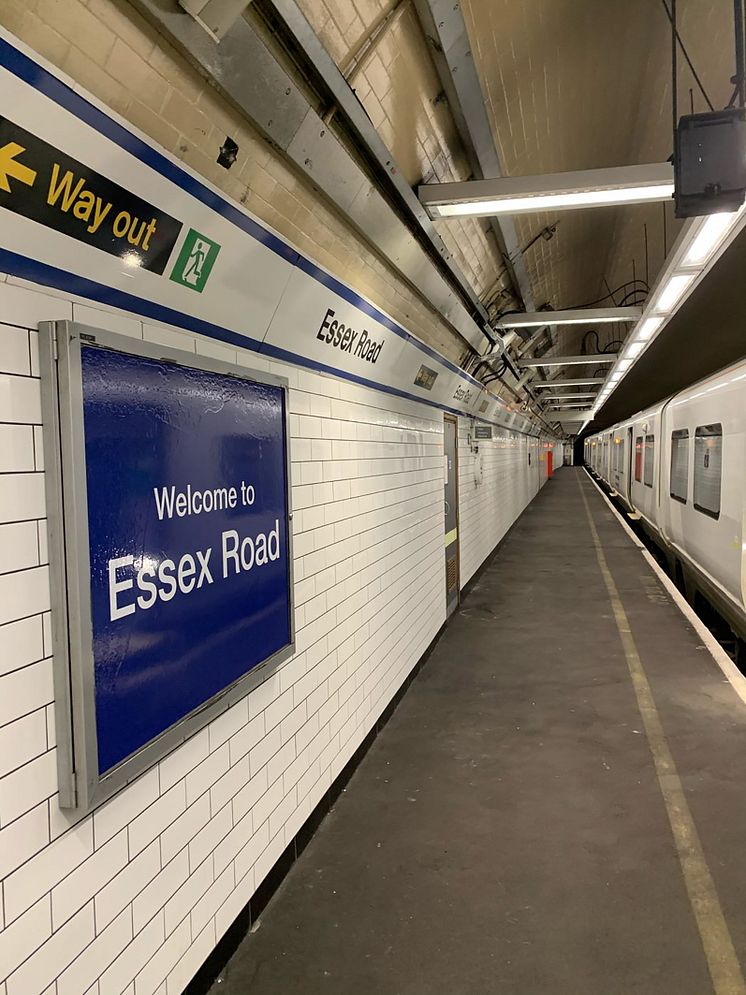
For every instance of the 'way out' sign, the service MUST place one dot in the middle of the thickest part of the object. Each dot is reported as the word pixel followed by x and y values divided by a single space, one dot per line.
pixel 43 184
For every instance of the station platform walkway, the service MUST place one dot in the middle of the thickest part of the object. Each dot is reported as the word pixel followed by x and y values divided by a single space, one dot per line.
pixel 556 806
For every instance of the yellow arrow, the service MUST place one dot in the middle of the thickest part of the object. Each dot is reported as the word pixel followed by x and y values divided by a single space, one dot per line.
pixel 10 168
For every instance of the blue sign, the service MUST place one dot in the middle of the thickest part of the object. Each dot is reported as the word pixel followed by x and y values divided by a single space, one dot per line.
pixel 187 489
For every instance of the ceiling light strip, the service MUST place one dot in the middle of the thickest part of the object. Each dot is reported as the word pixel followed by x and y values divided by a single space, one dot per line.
pixel 700 244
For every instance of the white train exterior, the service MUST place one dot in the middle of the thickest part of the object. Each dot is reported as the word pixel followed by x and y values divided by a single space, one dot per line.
pixel 680 467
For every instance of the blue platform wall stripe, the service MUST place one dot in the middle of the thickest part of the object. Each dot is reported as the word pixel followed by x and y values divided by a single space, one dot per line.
pixel 80 286
pixel 47 83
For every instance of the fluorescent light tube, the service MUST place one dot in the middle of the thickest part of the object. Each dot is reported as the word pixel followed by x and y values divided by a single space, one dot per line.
pixel 634 349
pixel 708 237
pixel 624 364
pixel 555 201
pixel 648 328
pixel 673 291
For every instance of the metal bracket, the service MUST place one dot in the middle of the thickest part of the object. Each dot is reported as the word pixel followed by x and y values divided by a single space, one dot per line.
pixel 215 16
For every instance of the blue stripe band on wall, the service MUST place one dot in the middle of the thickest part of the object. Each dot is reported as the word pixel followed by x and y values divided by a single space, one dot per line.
pixel 58 279
pixel 45 82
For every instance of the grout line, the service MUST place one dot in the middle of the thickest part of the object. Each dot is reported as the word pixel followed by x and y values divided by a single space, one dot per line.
pixel 733 675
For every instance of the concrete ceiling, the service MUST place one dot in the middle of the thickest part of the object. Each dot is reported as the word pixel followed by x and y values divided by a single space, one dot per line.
pixel 568 84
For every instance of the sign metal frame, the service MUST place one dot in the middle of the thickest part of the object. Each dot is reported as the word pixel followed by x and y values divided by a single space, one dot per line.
pixel 81 787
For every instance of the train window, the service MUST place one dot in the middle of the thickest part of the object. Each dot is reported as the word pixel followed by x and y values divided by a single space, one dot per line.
pixel 638 459
pixel 708 460
pixel 649 459
pixel 679 463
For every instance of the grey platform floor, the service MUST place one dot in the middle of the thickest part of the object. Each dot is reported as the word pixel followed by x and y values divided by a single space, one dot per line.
pixel 507 832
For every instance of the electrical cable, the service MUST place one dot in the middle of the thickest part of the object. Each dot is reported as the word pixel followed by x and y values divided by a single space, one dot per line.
pixel 684 52
pixel 600 300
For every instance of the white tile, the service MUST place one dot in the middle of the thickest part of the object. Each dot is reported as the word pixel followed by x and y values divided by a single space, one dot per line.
pixel 265 749
pixel 116 978
pixel 215 350
pixel 43 542
pixel 246 738
pixel 186 827
pixel 207 773
pixel 15 356
pixel 154 820
pixel 22 740
pixel 34 351
pixel 204 909
pixel 62 820
pixel 178 906
pixel 16 448
pixel 188 965
pixel 171 337
pixel 26 690
pixel 228 724
pixel 20 643
pixel 19 940
pixel 127 885
pixel 23 306
pixel 27 786
pixel 208 838
pixel 164 960
pixel 20 400
pixel 23 838
pixel 59 951
pixel 22 497
pixel 112 321
pixel 153 897
pixel 89 878
pixel 86 968
pixel 19 546
pixel 38 449
pixel 24 593
pixel 41 874
pixel 184 758
pixel 249 795
pixel 229 784
pixel 230 910
pixel 125 806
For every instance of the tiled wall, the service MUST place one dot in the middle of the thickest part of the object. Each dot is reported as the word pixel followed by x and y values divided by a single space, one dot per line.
pixel 134 897
pixel 496 483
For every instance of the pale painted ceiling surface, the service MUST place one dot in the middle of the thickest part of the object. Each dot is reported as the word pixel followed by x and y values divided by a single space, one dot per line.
pixel 568 84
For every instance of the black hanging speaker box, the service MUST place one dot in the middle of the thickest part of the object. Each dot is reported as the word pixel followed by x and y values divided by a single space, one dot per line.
pixel 710 162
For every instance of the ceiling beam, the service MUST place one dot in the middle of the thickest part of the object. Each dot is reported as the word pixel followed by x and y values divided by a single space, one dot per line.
pixel 593 359
pixel 450 48
pixel 574 316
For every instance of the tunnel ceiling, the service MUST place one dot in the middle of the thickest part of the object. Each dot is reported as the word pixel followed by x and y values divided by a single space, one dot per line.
pixel 568 84
pixel 576 84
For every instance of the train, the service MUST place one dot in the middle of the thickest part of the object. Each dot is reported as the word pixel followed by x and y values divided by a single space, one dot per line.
pixel 679 470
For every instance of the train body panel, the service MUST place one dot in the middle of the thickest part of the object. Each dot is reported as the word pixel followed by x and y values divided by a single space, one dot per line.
pixel 681 466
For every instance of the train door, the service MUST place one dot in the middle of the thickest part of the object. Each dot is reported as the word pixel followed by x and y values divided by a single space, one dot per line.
pixel 450 450
pixel 629 462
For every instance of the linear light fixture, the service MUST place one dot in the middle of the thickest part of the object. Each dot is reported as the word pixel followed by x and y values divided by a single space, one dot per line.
pixel 574 316
pixel 594 359
pixel 567 383
pixel 641 184
pixel 566 397
pixel 700 244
